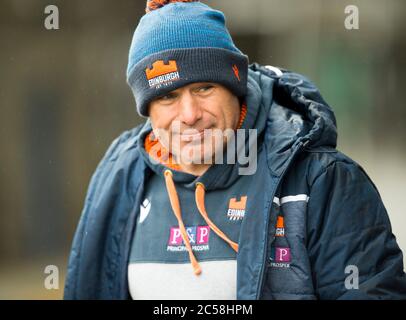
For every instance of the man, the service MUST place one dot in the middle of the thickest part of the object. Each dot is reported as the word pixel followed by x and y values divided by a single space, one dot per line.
pixel 161 223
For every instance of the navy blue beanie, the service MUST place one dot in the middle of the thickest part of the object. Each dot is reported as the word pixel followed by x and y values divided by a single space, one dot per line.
pixel 178 43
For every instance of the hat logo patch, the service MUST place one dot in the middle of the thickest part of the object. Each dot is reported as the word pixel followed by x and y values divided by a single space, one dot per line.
pixel 162 74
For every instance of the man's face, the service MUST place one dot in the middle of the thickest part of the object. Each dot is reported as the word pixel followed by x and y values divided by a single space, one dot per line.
pixel 181 119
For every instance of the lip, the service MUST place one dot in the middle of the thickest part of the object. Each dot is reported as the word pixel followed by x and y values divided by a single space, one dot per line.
pixel 191 137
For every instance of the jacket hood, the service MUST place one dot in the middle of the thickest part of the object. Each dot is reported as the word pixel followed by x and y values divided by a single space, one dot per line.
pixel 299 116
pixel 287 111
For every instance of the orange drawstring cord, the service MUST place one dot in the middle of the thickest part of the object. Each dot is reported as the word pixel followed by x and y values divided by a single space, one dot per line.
pixel 174 200
pixel 200 191
pixel 199 196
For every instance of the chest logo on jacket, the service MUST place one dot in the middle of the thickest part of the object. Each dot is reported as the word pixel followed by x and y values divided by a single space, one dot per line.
pixel 280 257
pixel 280 227
pixel 236 209
pixel 198 237
pixel 145 208
pixel 280 251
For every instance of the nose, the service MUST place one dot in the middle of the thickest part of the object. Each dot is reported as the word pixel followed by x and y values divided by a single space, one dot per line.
pixel 190 110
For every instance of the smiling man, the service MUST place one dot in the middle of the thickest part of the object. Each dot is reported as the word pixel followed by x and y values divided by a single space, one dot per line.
pixel 165 219
pixel 197 119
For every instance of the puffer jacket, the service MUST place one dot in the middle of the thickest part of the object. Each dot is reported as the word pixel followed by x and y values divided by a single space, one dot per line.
pixel 319 224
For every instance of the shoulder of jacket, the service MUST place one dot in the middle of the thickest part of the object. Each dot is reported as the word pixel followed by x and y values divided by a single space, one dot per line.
pixel 117 158
pixel 318 161
pixel 125 141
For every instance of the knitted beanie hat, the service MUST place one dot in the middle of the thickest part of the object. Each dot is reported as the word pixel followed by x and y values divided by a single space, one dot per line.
pixel 178 42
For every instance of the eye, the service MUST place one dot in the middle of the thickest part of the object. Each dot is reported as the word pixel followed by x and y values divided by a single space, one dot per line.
pixel 167 97
pixel 204 88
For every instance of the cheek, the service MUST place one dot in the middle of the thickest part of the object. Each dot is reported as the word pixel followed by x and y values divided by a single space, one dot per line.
pixel 230 118
pixel 160 125
pixel 226 110
pixel 234 116
pixel 161 117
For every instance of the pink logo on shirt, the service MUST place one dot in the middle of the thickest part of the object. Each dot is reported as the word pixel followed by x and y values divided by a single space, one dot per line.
pixel 282 254
pixel 198 235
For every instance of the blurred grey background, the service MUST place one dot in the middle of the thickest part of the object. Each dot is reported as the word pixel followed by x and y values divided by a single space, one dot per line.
pixel 63 99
